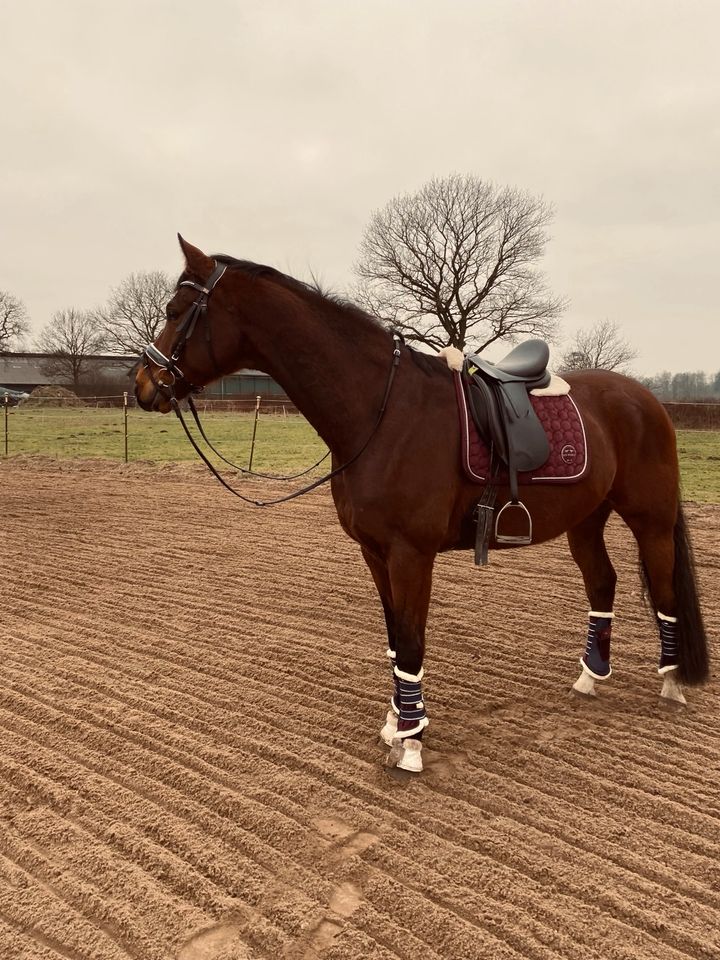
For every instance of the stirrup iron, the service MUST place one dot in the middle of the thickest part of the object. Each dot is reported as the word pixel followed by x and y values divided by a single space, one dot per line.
pixel 514 539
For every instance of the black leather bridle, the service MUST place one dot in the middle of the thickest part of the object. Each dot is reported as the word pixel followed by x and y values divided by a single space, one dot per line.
pixel 152 355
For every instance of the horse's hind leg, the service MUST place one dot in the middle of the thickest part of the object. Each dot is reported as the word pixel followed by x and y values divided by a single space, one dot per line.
pixel 655 535
pixel 587 547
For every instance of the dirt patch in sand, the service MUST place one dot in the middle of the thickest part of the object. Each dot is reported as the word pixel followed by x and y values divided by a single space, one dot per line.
pixel 190 766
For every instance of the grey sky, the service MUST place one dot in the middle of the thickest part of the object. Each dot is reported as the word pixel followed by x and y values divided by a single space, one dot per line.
pixel 270 130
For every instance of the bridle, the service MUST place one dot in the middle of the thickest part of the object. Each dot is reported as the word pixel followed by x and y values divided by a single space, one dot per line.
pixel 152 355
pixel 185 330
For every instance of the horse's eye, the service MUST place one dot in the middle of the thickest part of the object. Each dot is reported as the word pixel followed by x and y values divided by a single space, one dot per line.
pixel 171 314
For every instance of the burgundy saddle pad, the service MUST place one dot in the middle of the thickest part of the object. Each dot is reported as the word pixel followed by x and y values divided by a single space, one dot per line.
pixel 563 424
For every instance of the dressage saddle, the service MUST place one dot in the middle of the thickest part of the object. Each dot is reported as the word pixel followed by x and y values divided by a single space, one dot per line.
pixel 499 400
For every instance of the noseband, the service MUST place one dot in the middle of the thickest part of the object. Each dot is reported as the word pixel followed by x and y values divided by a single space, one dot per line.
pixel 152 355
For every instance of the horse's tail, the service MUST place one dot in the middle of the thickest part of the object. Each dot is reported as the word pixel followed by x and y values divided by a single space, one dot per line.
pixel 694 659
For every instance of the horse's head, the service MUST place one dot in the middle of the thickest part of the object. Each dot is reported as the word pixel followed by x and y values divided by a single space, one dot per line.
pixel 197 342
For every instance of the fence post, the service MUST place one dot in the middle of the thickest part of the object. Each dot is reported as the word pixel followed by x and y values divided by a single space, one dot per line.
pixel 7 402
pixel 125 409
pixel 252 445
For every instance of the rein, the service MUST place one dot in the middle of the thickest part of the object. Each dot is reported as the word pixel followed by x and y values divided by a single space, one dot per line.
pixel 170 364
pixel 317 483
pixel 236 466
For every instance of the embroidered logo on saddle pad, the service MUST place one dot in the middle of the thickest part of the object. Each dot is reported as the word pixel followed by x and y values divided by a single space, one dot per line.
pixel 563 426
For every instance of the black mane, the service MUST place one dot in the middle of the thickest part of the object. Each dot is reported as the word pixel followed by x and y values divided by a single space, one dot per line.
pixel 427 363
pixel 298 286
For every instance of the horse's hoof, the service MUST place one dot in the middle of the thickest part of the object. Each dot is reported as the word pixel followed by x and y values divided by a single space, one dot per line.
pixel 671 690
pixel 585 685
pixel 411 759
pixel 406 755
pixel 389 731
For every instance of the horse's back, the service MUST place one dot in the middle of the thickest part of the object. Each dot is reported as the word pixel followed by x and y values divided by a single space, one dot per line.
pixel 625 408
pixel 630 422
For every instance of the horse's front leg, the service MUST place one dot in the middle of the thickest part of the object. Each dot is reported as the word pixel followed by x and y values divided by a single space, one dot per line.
pixel 410 576
pixel 378 568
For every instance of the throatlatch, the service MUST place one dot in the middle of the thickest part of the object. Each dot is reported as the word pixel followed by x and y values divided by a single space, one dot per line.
pixel 596 659
pixel 668 643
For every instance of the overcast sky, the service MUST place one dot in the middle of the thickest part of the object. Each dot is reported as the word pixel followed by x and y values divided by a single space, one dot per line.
pixel 270 130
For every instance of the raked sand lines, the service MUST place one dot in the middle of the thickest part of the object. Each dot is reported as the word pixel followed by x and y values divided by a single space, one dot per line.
pixel 190 767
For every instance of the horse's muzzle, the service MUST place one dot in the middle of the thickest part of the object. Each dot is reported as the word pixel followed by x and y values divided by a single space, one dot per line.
pixel 148 395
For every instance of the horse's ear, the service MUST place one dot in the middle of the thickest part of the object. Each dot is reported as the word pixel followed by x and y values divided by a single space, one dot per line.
pixel 198 264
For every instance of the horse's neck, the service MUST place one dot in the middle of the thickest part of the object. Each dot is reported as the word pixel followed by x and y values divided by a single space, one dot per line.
pixel 335 379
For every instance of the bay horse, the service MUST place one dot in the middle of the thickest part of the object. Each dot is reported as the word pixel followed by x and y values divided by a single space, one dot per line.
pixel 403 498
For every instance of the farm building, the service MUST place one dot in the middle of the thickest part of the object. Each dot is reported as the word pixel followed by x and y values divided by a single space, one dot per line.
pixel 244 385
pixel 99 373
pixel 105 374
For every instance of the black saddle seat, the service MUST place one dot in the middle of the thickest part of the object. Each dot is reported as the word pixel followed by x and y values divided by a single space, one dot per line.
pixel 526 363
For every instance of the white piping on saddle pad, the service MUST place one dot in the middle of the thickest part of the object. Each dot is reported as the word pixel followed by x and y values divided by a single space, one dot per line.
pixel 556 388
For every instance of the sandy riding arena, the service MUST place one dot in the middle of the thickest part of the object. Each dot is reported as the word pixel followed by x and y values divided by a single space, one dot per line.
pixel 190 765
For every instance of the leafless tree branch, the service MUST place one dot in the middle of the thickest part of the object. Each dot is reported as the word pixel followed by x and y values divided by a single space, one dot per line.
pixel 135 311
pixel 14 322
pixel 454 264
pixel 602 346
pixel 69 338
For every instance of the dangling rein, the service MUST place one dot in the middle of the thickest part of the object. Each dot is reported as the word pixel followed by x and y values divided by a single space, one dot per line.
pixel 236 466
pixel 397 340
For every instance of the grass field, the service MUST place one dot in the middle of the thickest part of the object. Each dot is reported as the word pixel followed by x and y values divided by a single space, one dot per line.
pixel 283 444
pixel 699 452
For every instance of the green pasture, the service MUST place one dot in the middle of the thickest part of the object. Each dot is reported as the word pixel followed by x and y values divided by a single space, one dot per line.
pixel 699 453
pixel 283 443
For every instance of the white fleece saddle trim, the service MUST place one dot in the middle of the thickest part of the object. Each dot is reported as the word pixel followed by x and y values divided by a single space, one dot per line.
pixel 556 388
pixel 453 357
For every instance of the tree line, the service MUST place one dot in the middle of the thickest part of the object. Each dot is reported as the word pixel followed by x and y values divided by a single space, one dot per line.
pixel 456 263
pixel 695 386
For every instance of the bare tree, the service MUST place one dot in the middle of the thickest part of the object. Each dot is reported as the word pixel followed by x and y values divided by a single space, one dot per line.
pixel 455 264
pixel 70 338
pixel 599 347
pixel 135 312
pixel 14 322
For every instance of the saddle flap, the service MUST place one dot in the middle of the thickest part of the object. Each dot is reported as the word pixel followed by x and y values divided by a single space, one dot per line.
pixel 528 445
pixel 506 419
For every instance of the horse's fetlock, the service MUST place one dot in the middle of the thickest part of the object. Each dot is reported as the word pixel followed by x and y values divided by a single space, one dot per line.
pixel 596 659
